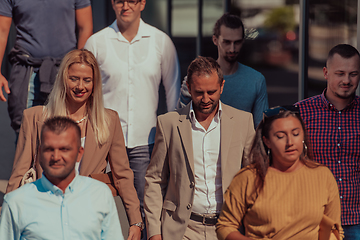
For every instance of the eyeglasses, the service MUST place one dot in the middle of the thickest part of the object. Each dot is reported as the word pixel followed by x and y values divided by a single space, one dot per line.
pixel 131 3
pixel 276 110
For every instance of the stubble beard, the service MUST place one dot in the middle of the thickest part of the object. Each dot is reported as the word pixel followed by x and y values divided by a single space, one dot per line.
pixel 231 60
pixel 198 107
pixel 346 94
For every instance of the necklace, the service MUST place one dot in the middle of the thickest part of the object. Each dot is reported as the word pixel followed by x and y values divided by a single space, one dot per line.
pixel 81 120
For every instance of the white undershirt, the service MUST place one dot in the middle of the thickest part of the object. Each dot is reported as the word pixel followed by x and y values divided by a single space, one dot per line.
pixel 208 196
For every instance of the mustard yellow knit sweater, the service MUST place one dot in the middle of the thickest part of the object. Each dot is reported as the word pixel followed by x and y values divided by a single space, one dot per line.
pixel 290 206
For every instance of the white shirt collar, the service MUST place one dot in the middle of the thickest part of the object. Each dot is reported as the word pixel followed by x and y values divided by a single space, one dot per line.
pixel 143 31
pixel 217 116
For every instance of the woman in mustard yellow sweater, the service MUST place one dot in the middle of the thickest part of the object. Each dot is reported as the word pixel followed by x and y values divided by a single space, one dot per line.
pixel 282 194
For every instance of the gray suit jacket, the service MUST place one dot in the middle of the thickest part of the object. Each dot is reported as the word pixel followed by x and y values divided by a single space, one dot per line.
pixel 170 180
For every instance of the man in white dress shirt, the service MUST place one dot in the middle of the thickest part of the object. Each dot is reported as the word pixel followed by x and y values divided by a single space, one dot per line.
pixel 198 150
pixel 134 58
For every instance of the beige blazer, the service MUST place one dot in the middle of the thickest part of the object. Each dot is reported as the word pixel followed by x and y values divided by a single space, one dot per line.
pixel 170 180
pixel 94 160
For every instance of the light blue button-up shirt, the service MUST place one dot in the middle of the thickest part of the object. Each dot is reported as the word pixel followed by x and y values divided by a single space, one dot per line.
pixel 40 210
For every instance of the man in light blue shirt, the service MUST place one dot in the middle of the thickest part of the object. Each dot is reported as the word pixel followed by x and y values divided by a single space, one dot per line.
pixel 61 204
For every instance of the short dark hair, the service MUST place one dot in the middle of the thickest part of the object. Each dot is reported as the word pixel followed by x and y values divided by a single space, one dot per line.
pixel 204 66
pixel 230 21
pixel 344 50
pixel 59 125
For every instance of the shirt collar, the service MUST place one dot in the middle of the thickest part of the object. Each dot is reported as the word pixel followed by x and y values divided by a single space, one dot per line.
pixel 217 116
pixel 143 31
pixel 48 186
pixel 328 105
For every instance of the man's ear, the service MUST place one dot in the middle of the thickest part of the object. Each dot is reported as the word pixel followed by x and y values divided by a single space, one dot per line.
pixel 325 71
pixel 188 85
pixel 222 86
pixel 143 3
pixel 80 154
pixel 215 40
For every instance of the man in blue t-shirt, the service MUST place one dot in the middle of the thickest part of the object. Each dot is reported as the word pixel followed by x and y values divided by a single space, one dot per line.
pixel 245 88
pixel 45 32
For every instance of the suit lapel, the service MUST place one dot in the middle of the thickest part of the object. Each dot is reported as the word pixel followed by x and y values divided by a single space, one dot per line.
pixel 226 128
pixel 185 133
pixel 39 125
pixel 89 151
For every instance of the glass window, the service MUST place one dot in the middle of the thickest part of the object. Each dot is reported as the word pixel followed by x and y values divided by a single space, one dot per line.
pixel 330 22
pixel 271 46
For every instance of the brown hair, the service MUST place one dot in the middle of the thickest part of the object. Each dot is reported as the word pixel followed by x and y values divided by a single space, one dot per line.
pixel 258 153
pixel 344 50
pixel 204 66
pixel 230 21
pixel 59 125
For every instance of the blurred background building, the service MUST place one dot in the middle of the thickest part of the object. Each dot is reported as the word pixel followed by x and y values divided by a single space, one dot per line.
pixel 274 37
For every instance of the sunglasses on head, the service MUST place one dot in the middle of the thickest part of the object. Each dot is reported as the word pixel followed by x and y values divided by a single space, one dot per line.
pixel 276 110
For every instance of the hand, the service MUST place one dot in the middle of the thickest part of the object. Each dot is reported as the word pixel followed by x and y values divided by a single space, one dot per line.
pixel 134 233
pixel 156 237
pixel 3 83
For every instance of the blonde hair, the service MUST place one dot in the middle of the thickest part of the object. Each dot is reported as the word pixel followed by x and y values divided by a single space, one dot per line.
pixel 56 104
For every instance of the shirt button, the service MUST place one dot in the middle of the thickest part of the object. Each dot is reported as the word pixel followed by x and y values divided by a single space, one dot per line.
pixel 341 197
pixel 338 144
pixel 339 128
pixel 339 112
pixel 340 179
pixel 339 161
pixel 188 206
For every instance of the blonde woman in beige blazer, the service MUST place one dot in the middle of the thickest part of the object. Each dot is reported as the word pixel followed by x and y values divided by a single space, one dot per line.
pixel 77 93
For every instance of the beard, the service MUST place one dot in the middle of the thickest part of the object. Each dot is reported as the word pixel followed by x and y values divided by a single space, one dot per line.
pixel 199 106
pixel 346 94
pixel 231 59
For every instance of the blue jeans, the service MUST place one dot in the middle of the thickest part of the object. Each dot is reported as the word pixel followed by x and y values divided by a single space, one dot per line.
pixel 139 159
pixel 35 97
pixel 34 90
pixel 352 232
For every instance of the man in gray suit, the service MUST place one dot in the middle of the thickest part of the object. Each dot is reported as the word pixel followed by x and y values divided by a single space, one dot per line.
pixel 198 150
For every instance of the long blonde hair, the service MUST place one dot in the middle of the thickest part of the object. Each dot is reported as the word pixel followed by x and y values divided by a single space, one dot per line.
pixel 56 104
